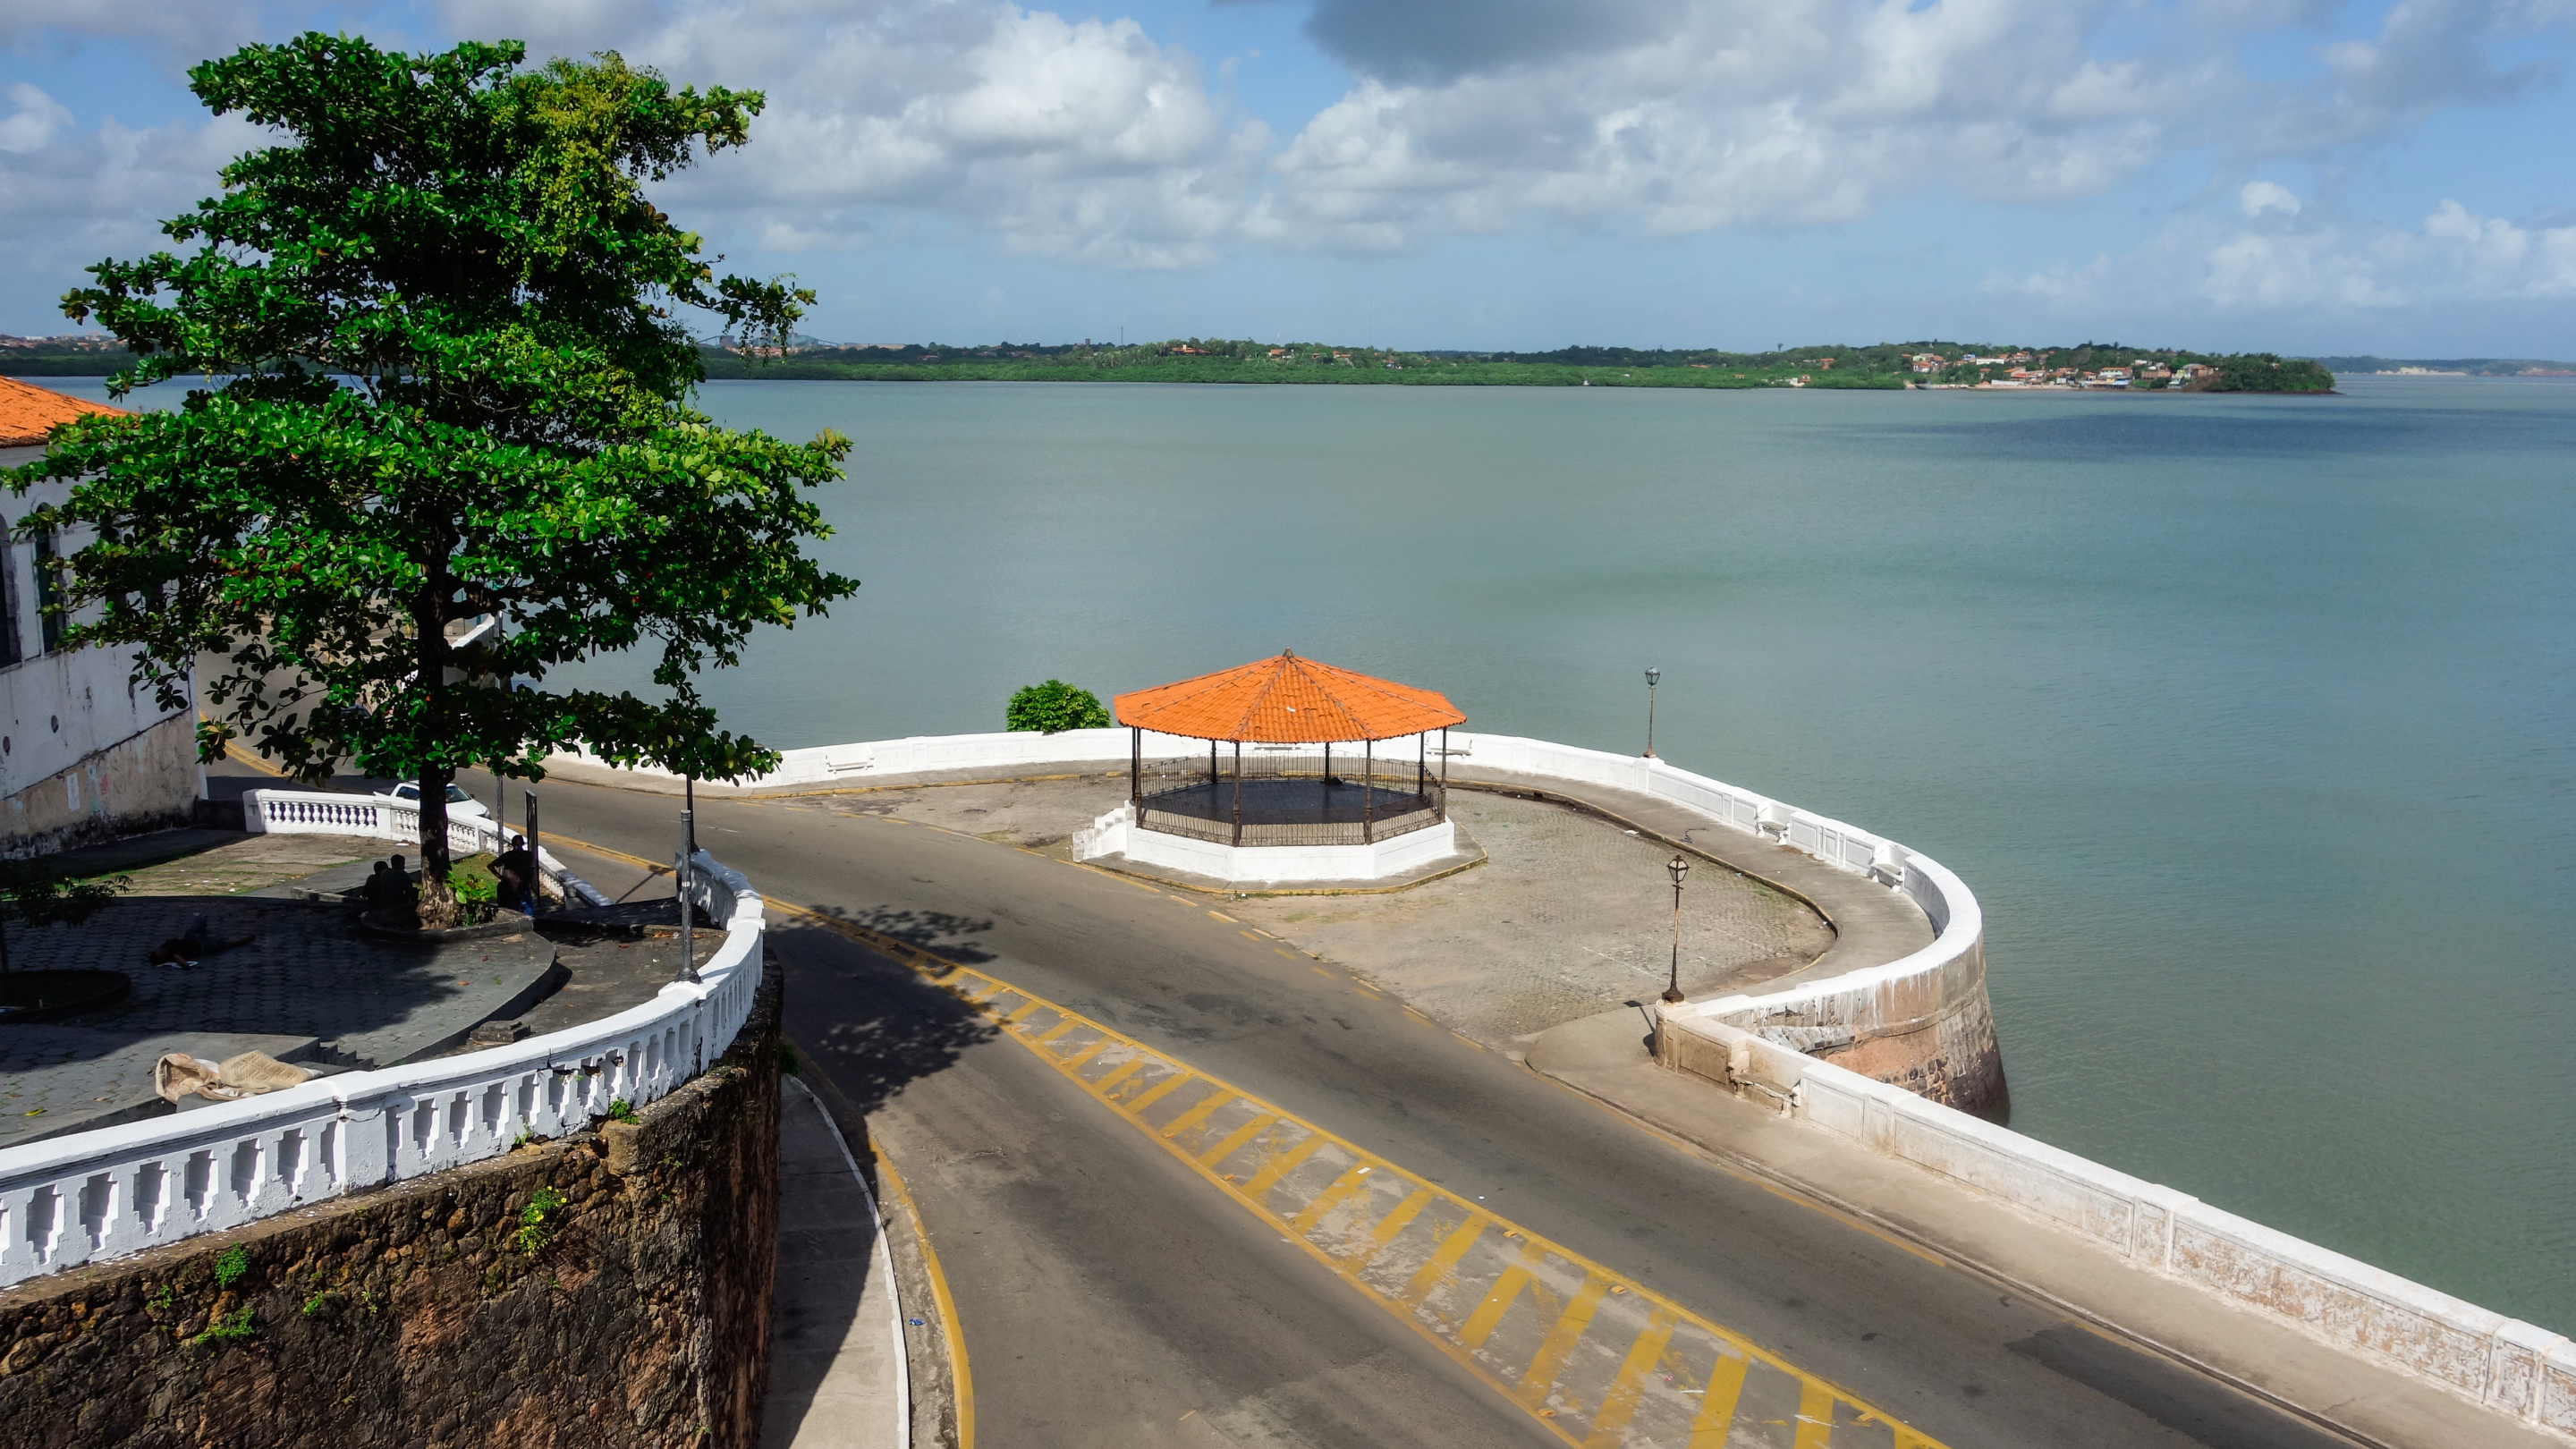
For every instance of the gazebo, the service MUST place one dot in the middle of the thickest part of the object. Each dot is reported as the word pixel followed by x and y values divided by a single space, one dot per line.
pixel 1294 786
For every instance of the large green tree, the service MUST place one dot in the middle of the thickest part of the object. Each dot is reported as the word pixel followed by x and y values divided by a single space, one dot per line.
pixel 455 383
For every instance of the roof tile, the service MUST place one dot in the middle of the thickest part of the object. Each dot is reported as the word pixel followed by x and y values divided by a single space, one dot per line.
pixel 28 412
pixel 1287 700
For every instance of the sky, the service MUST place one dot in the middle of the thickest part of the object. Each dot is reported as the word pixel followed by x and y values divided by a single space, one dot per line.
pixel 2293 175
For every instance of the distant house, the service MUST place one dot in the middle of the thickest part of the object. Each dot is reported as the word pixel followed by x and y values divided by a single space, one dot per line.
pixel 1928 362
pixel 84 755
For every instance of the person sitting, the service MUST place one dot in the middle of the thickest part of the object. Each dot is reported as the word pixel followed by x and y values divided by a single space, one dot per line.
pixel 516 870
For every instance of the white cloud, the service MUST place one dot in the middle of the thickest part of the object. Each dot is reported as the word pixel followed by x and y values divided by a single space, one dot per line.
pixel 33 122
pixel 2455 258
pixel 2258 197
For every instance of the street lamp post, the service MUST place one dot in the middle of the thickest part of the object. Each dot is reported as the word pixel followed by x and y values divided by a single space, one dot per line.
pixel 688 848
pixel 1679 868
pixel 1652 675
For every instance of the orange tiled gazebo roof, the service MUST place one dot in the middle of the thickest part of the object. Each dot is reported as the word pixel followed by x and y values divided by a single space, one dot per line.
pixel 28 413
pixel 1287 700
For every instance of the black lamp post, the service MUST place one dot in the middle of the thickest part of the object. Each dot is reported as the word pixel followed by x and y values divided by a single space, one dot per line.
pixel 680 879
pixel 1679 868
pixel 1652 675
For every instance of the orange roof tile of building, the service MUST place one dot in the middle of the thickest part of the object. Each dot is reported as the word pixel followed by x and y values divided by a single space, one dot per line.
pixel 27 413
pixel 1287 700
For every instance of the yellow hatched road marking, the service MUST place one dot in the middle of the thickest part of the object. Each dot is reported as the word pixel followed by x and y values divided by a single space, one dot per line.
pixel 1026 1007
pixel 1117 1074
pixel 1195 1115
pixel 1282 1165
pixel 1238 1137
pixel 1090 1050
pixel 1815 1416
pixel 1619 1405
pixel 1717 1407
pixel 1159 1091
pixel 1057 1030
pixel 1500 1298
pixel 1443 1261
pixel 1559 1346
pixel 1327 1200
pixel 1533 1383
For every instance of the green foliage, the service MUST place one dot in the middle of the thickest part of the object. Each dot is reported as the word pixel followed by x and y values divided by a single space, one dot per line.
pixel 473 887
pixel 789 1060
pixel 1055 705
pixel 162 1297
pixel 227 1328
pixel 2266 372
pixel 320 1299
pixel 621 1110
pixel 231 1266
pixel 456 382
pixel 536 1225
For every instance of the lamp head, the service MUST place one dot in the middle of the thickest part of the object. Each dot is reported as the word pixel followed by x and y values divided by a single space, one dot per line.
pixel 1653 675
pixel 1679 868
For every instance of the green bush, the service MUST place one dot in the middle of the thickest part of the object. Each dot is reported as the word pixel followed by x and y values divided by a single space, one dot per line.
pixel 1053 706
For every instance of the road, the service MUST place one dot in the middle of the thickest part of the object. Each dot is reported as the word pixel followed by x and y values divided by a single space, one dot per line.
pixel 1113 1291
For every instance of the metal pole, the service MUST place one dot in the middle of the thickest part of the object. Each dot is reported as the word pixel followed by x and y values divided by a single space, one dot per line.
pixel 536 852
pixel 1650 712
pixel 688 911
pixel 1136 769
pixel 1238 789
pixel 1368 793
pixel 1673 988
pixel 1444 772
pixel 1422 765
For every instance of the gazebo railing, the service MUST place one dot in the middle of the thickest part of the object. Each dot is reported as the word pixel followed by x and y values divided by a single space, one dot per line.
pixel 1290 796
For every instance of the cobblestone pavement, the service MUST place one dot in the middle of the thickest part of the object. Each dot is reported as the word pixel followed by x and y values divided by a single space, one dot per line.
pixel 1569 916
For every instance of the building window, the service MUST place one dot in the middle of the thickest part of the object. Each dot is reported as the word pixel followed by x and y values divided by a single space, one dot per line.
pixel 48 593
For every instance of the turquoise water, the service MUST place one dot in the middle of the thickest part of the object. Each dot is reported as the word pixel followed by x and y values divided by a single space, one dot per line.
pixel 2249 720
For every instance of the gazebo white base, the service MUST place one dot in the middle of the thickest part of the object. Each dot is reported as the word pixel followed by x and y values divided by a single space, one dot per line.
pixel 1116 834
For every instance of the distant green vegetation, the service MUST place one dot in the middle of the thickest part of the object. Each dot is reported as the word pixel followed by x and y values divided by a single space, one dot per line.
pixel 1052 706
pixel 1213 359
pixel 2473 366
pixel 1224 360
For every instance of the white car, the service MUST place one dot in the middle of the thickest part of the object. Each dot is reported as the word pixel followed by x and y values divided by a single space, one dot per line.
pixel 458 802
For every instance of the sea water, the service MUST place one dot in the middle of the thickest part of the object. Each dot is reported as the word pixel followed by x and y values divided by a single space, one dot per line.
pixel 2251 721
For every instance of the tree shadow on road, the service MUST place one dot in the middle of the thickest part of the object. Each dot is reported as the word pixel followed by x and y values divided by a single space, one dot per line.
pixel 875 1024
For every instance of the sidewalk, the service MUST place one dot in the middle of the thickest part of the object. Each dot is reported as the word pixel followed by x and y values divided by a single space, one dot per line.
pixel 1606 1058
pixel 838 1378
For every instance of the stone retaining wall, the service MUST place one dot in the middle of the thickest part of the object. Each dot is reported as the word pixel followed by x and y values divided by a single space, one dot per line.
pixel 609 1288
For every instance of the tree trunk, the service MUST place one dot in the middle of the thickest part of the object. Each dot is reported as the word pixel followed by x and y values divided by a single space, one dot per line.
pixel 437 900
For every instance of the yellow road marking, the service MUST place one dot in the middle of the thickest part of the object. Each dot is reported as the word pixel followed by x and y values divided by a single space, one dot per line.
pixel 1815 1417
pixel 1235 1139
pixel 1559 1345
pixel 1619 1405
pixel 1074 1062
pixel 949 1327
pixel 1717 1407
pixel 1282 1165
pixel 1160 1090
pixel 1636 1312
pixel 1392 1224
pixel 1057 1030
pixel 1026 1007
pixel 1327 1200
pixel 1195 1115
pixel 1117 1074
pixel 1499 1298
pixel 1247 935
pixel 1443 1262
pixel 1222 916
pixel 1291 955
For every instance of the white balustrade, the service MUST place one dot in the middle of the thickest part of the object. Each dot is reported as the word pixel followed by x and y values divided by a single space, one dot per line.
pixel 316 812
pixel 118 1190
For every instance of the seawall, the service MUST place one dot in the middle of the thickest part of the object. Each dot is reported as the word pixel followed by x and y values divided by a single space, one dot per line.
pixel 611 1287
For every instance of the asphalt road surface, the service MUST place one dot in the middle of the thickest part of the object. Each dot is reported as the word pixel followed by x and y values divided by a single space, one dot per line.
pixel 1111 1293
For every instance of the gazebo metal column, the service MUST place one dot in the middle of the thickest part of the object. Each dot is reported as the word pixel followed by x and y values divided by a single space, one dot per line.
pixel 1422 765
pixel 1238 787
pixel 1443 813
pixel 1136 771
pixel 1368 792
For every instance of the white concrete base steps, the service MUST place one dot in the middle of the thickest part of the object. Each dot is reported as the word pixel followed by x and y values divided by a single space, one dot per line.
pixel 2513 1368
pixel 1116 833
